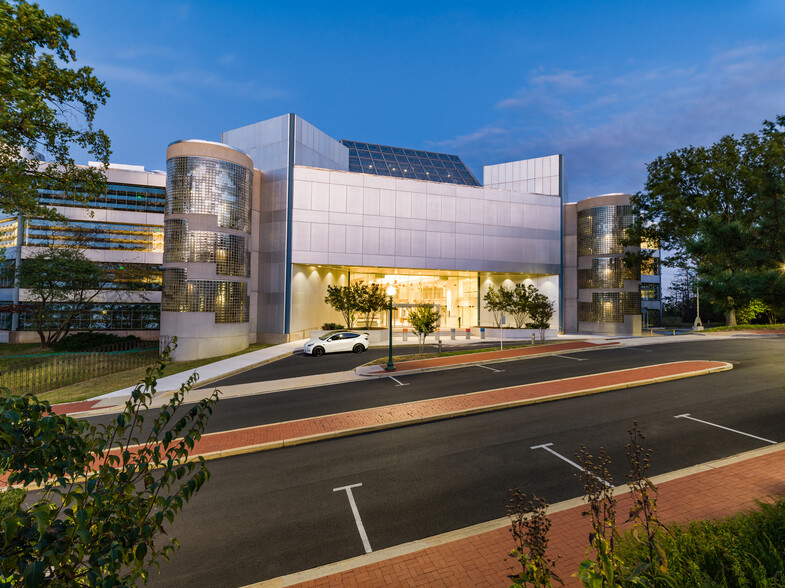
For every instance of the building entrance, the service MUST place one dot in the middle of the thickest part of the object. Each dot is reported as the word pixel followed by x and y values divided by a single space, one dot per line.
pixel 455 293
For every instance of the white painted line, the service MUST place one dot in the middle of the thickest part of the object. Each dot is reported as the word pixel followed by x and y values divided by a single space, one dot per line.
pixel 489 368
pixel 636 349
pixel 573 358
pixel 547 447
pixel 687 416
pixel 398 382
pixel 356 513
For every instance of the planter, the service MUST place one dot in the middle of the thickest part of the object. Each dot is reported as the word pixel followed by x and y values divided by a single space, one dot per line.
pixel 513 334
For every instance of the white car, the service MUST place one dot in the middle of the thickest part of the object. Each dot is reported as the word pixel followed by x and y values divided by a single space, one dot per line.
pixel 337 341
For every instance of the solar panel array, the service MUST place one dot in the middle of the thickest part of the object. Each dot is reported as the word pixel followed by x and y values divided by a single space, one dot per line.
pixel 398 162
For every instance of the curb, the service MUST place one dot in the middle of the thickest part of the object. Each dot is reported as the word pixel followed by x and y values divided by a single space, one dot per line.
pixel 493 525
pixel 385 374
pixel 449 415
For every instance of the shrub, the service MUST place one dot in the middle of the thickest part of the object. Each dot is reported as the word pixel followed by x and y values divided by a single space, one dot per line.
pixel 89 341
pixel 331 326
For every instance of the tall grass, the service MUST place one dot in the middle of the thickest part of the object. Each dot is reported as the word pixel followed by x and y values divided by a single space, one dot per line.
pixel 744 551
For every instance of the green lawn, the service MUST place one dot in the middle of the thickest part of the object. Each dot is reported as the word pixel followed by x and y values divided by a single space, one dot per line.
pixel 111 382
pixel 775 327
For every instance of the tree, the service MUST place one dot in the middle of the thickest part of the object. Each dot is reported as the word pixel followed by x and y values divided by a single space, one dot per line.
pixel 541 311
pixel 105 492
pixel 722 207
pixel 63 283
pixel 496 301
pixel 370 300
pixel 423 319
pixel 519 300
pixel 46 108
pixel 345 299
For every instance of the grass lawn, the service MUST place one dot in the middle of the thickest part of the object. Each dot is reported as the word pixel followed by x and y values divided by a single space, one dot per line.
pixel 775 327
pixel 116 381
pixel 458 352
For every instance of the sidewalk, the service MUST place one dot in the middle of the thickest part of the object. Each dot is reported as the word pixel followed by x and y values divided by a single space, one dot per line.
pixel 478 556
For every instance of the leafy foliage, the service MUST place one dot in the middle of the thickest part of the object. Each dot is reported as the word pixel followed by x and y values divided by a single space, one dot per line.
pixel 64 277
pixel 541 311
pixel 46 107
pixel 370 300
pixel 344 299
pixel 90 341
pixel 105 495
pixel 722 207
pixel 423 318
pixel 496 302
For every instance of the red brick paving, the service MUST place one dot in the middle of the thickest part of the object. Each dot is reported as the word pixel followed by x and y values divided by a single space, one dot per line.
pixel 453 360
pixel 481 560
pixel 424 410
pixel 72 407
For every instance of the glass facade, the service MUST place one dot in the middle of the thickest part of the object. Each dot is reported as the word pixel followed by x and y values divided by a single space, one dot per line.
pixel 382 160
pixel 7 268
pixel 8 230
pixel 455 293
pixel 650 292
pixel 229 252
pixel 203 185
pixel 99 316
pixel 228 300
pixel 93 235
pixel 609 307
pixel 117 197
pixel 133 276
pixel 601 229
pixel 606 272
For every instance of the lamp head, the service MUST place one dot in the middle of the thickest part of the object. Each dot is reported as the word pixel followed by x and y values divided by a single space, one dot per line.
pixel 390 290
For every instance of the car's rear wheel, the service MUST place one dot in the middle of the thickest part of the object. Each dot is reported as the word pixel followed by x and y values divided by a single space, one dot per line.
pixel 317 352
pixel 359 348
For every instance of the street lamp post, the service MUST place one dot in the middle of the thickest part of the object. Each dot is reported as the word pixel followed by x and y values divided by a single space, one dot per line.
pixel 390 365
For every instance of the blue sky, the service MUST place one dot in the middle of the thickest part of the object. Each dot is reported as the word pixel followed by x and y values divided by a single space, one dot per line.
pixel 611 85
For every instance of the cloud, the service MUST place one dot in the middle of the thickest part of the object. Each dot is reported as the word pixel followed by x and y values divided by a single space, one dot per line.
pixel 182 82
pixel 609 126
pixel 542 85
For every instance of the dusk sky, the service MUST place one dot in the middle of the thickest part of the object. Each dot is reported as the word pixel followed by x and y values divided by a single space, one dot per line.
pixel 611 85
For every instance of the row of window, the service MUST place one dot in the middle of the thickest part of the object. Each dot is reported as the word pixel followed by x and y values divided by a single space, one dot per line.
pixel 99 316
pixel 117 197
pixel 93 235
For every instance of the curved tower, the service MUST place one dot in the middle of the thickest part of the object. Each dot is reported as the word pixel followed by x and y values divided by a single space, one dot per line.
pixel 207 241
pixel 609 298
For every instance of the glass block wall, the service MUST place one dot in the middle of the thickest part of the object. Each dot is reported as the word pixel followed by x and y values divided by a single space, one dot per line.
pixel 609 307
pixel 601 229
pixel 607 272
pixel 603 296
pixel 207 270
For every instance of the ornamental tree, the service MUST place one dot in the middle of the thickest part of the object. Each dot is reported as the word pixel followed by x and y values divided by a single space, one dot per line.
pixel 423 318
pixel 47 107
pixel 370 300
pixel 345 300
pixel 62 284
pixel 541 311
pixel 104 494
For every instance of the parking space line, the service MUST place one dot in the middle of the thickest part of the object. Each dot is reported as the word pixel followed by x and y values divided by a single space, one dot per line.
pixel 489 368
pixel 356 513
pixel 398 382
pixel 573 358
pixel 687 416
pixel 547 447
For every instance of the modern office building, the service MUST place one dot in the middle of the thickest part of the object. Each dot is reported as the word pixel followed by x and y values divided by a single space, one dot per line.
pixel 123 230
pixel 257 226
